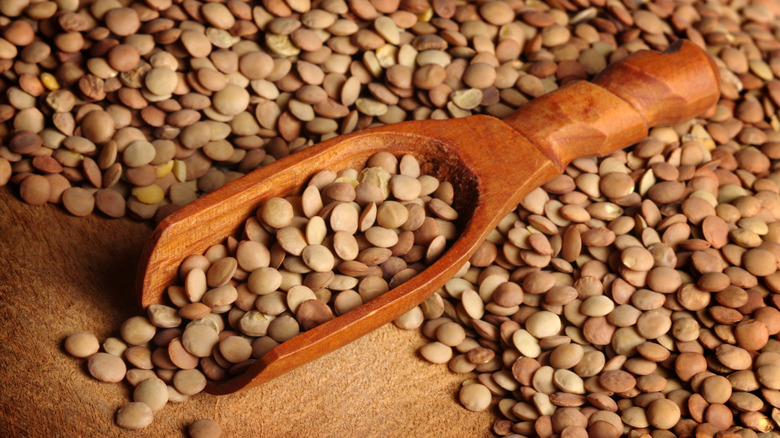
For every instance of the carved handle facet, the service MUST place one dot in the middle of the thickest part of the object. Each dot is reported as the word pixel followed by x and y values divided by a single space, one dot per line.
pixel 643 90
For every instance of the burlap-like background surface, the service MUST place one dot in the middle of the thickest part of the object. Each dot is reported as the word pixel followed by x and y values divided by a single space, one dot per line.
pixel 62 274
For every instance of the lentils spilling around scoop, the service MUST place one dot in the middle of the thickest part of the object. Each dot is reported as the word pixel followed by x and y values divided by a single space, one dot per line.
pixel 635 294
pixel 302 260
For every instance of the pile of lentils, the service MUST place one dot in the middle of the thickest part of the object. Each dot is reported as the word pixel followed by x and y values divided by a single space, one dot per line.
pixel 635 294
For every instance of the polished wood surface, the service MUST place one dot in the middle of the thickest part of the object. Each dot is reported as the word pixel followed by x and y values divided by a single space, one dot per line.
pixel 654 89
pixel 492 164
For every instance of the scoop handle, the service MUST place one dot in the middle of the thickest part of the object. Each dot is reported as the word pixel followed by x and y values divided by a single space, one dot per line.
pixel 642 90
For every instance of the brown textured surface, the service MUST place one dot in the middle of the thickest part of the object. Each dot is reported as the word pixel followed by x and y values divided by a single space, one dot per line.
pixel 62 274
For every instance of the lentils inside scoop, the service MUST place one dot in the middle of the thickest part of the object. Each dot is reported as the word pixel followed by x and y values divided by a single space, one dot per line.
pixel 348 238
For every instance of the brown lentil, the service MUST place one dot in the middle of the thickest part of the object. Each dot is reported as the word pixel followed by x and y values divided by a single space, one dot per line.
pixel 134 415
pixel 81 344
pixel 204 428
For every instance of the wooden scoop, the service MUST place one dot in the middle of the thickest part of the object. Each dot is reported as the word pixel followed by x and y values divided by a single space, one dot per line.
pixel 491 164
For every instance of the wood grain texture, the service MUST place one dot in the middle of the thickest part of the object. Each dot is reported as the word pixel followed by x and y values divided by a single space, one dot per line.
pixel 63 274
